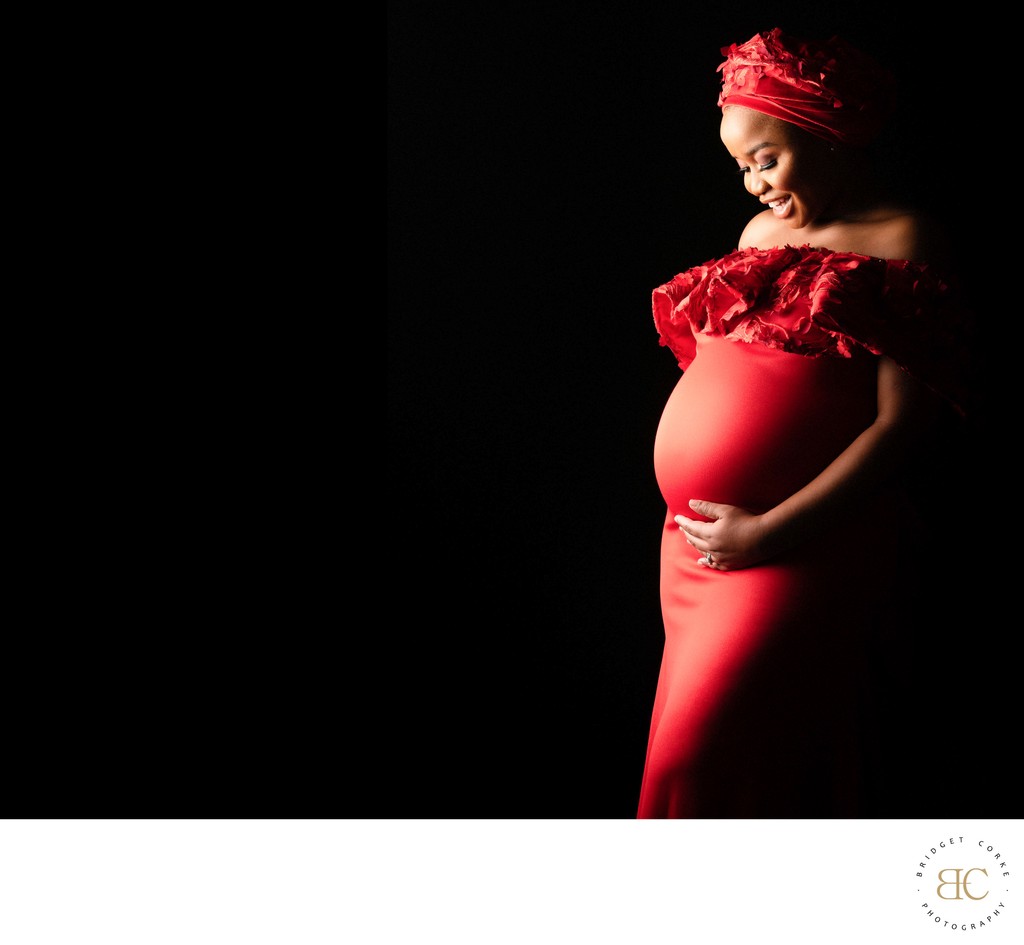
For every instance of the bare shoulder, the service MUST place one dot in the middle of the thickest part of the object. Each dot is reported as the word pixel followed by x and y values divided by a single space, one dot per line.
pixel 903 234
pixel 764 232
pixel 885 232
pixel 907 234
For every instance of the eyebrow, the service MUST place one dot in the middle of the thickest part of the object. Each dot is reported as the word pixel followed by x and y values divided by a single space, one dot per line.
pixel 757 147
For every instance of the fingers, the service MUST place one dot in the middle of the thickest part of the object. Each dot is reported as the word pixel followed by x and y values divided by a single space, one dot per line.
pixel 694 532
pixel 707 509
pixel 710 561
pixel 691 530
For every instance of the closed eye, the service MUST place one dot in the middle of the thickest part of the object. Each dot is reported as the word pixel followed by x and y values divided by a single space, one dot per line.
pixel 760 167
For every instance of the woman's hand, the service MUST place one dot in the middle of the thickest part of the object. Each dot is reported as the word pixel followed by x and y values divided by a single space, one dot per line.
pixel 735 538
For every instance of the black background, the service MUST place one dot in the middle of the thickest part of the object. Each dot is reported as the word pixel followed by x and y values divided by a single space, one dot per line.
pixel 548 166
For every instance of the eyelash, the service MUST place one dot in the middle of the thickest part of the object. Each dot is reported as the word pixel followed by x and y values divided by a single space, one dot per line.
pixel 760 167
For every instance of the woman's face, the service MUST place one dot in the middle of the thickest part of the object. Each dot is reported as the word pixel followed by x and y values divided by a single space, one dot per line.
pixel 786 168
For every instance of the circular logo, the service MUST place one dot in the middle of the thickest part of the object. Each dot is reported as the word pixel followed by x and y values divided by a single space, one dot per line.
pixel 963 883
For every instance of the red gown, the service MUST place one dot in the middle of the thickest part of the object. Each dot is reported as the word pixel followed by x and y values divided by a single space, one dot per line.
pixel 761 696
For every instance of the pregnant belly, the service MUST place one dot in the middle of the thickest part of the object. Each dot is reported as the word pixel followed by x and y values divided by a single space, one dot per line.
pixel 748 425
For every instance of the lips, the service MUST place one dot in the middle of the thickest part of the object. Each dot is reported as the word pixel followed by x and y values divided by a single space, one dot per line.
pixel 780 206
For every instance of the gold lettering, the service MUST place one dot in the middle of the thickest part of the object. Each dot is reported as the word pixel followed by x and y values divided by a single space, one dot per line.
pixel 942 882
pixel 960 884
pixel 974 869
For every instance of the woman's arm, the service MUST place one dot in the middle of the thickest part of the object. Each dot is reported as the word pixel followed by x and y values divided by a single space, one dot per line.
pixel 738 538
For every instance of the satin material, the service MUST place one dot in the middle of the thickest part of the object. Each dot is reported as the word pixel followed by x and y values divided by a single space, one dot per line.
pixel 758 701
pixel 765 704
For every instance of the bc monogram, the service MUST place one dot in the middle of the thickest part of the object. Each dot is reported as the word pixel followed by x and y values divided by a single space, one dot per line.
pixel 960 884
pixel 961 889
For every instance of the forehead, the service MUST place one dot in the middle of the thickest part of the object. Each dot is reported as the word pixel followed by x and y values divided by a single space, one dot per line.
pixel 744 128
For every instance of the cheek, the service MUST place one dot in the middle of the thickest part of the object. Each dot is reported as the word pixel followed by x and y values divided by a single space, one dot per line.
pixel 787 181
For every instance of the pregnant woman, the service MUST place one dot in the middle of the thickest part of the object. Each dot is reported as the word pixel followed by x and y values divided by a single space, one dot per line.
pixel 817 358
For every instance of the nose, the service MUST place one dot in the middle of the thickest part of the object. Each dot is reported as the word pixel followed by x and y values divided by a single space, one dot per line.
pixel 756 184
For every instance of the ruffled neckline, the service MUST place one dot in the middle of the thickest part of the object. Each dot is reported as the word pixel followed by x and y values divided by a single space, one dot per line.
pixel 819 302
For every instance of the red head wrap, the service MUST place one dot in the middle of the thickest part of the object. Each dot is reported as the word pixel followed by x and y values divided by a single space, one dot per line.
pixel 830 89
